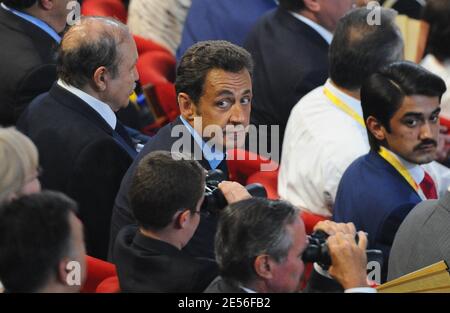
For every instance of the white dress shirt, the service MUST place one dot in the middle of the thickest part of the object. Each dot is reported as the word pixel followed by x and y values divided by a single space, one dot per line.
pixel 100 107
pixel 443 71
pixel 320 142
pixel 326 34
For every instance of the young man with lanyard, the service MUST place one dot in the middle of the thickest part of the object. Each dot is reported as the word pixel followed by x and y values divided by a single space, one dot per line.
pixel 401 110
pixel 322 138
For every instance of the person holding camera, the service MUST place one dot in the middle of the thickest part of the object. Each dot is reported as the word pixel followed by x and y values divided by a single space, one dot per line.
pixel 166 197
pixel 260 246
pixel 214 93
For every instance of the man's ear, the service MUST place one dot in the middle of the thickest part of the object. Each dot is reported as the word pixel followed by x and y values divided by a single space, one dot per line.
pixel 376 128
pixel 263 266
pixel 182 219
pixel 62 271
pixel 187 106
pixel 312 5
pixel 46 4
pixel 100 77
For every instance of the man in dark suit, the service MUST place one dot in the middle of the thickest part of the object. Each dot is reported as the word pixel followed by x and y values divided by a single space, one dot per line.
pixel 214 92
pixel 29 31
pixel 84 150
pixel 400 106
pixel 260 245
pixel 290 50
pixel 166 198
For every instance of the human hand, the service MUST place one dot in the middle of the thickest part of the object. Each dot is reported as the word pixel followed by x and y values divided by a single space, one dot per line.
pixel 349 260
pixel 331 228
pixel 233 191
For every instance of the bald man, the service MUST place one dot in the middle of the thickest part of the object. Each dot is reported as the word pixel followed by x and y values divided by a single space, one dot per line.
pixel 84 150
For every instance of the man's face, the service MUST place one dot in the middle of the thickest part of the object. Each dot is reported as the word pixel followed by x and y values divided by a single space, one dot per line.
pixel 415 129
pixel 331 11
pixel 287 274
pixel 122 85
pixel 225 103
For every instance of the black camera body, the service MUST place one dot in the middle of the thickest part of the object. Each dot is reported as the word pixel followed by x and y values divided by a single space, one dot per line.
pixel 215 200
pixel 317 251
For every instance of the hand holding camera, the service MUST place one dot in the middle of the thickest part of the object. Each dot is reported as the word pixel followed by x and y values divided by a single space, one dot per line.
pixel 340 250
pixel 348 259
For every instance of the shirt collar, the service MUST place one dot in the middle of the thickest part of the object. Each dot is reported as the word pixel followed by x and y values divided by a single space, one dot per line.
pixel 415 170
pixel 354 103
pixel 35 21
pixel 327 35
pixel 100 107
pixel 213 157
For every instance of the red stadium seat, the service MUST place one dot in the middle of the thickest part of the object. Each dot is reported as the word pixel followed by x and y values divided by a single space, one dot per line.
pixel 157 74
pixel 97 271
pixel 245 168
pixel 311 220
pixel 112 8
pixel 146 45
pixel 109 285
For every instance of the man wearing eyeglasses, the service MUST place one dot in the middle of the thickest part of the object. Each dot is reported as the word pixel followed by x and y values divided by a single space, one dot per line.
pixel 166 195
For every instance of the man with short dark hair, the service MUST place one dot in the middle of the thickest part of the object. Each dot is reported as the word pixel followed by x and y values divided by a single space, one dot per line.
pixel 214 91
pixel 400 106
pixel 166 197
pixel 290 48
pixel 260 245
pixel 42 244
pixel 84 150
pixel 325 131
pixel 29 31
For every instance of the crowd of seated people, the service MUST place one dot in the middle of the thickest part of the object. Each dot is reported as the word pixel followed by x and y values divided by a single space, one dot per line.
pixel 357 127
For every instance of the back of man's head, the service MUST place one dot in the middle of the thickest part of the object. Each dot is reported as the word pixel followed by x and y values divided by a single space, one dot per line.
pixel 86 46
pixel 250 228
pixel 437 14
pixel 35 236
pixel 204 56
pixel 359 48
pixel 19 4
pixel 164 184
pixel 383 92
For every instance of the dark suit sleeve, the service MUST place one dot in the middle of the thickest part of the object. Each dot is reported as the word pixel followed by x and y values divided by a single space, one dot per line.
pixel 96 178
pixel 35 82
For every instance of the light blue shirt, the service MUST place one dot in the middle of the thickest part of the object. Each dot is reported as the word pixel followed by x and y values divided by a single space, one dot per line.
pixel 327 35
pixel 213 157
pixel 35 21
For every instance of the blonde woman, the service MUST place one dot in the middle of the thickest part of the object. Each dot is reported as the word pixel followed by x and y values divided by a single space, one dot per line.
pixel 19 166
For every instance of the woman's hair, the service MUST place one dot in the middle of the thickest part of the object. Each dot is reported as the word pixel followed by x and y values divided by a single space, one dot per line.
pixel 18 158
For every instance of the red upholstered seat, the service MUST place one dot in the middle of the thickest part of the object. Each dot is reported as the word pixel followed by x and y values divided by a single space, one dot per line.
pixel 97 271
pixel 245 167
pixel 109 285
pixel 311 220
pixel 111 8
